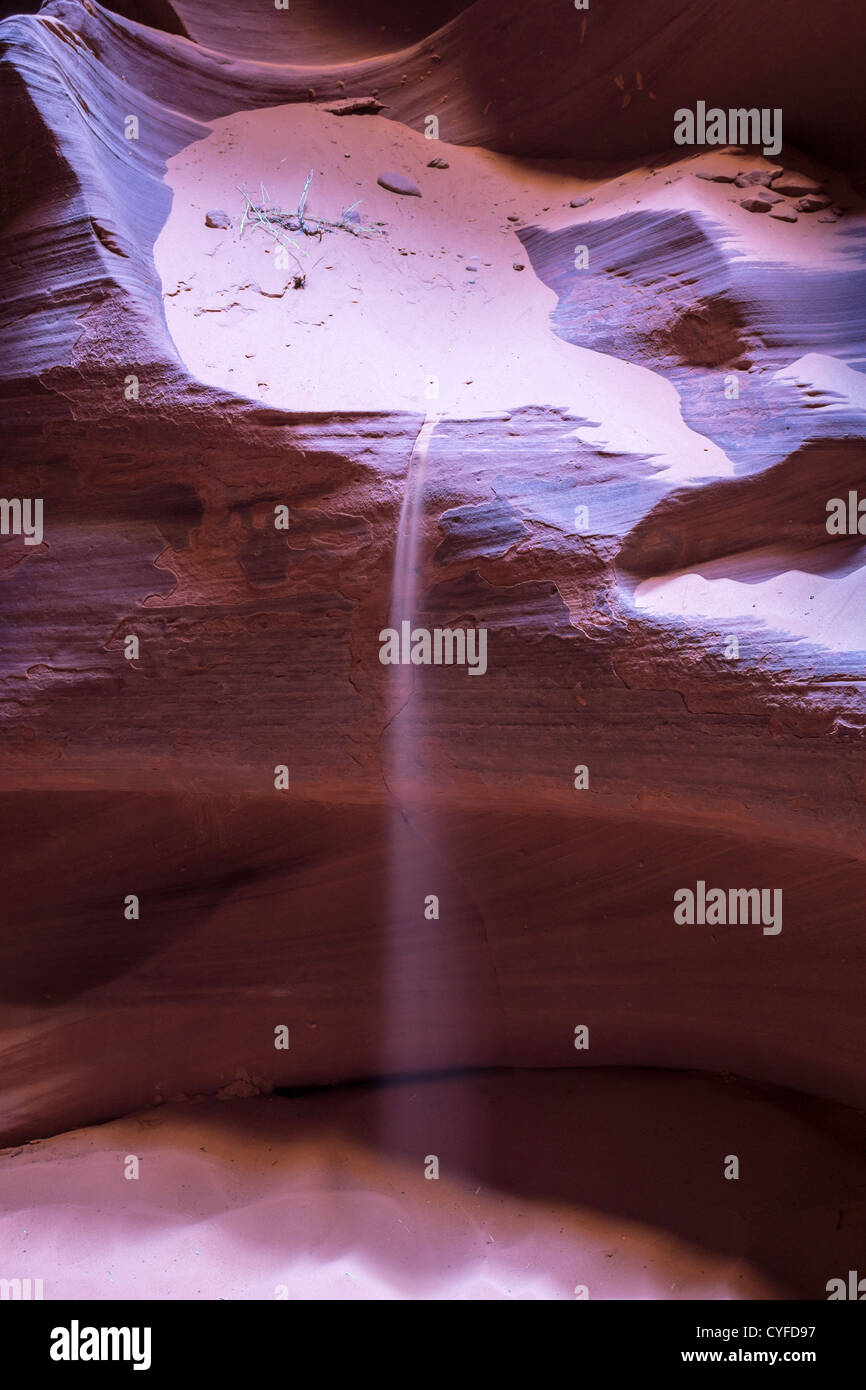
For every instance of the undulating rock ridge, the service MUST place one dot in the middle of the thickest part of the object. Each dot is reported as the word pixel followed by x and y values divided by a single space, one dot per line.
pixel 605 387
pixel 552 81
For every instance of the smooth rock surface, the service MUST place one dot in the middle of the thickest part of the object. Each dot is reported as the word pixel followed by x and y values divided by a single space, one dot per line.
pixel 399 183
pixel 627 452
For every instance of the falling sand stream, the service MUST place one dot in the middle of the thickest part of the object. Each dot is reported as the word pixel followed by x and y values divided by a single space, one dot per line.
pixel 432 961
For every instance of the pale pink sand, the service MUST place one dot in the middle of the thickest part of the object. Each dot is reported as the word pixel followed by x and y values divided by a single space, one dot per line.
pixel 829 383
pixel 326 1218
pixel 828 610
pixel 380 317
pixel 609 1180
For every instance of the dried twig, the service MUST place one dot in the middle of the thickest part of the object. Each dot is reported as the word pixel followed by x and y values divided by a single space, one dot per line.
pixel 277 223
pixel 261 216
pixel 303 200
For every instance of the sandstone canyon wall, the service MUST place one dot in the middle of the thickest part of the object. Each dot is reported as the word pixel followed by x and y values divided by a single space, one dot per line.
pixel 605 388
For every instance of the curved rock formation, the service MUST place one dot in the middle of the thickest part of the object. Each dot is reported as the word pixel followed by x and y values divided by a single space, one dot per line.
pixel 611 403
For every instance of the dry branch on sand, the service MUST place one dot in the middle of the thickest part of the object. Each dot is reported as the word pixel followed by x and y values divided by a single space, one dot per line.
pixel 278 223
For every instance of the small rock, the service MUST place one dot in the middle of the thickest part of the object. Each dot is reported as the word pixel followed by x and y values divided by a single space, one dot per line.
pixel 813 202
pixel 759 176
pixel 518 266
pixel 762 195
pixel 795 185
pixel 717 178
pixel 354 106
pixel 756 204
pixel 784 214
pixel 438 163
pixel 579 202
pixel 512 217
pixel 398 183
pixel 827 217
pixel 217 218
